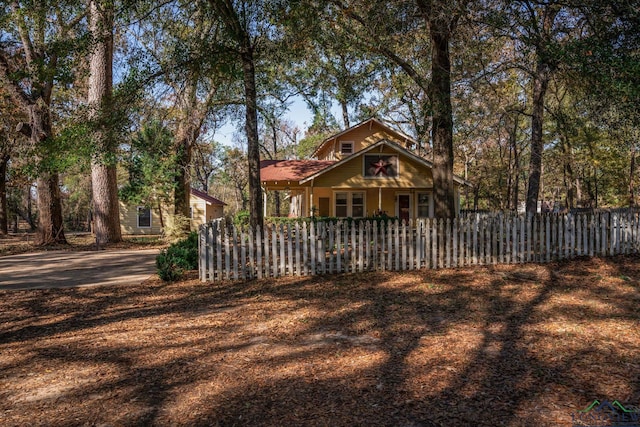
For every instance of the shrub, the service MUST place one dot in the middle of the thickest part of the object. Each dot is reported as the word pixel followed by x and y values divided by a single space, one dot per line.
pixel 380 219
pixel 179 257
pixel 241 219
pixel 177 229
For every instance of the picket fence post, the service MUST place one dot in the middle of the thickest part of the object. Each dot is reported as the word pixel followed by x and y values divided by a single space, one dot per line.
pixel 227 252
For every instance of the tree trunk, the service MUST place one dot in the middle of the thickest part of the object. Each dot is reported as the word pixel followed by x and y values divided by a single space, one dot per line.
pixel 29 217
pixel 276 198
pixel 540 83
pixel 182 181
pixel 516 188
pixel 251 128
pixel 4 226
pixel 345 114
pixel 192 115
pixel 515 170
pixel 442 120
pixel 49 210
pixel 104 182
pixel 476 197
pixel 106 210
pixel 569 174
pixel 160 216
pixel 510 177
pixel 632 172
pixel 50 224
pixel 241 199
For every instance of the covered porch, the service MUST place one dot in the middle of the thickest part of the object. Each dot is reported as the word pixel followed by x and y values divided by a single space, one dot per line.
pixel 306 201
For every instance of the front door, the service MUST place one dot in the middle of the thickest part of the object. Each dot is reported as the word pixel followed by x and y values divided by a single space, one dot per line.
pixel 323 206
pixel 404 207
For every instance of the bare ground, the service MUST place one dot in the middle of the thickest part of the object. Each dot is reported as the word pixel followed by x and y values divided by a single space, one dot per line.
pixel 510 345
pixel 19 243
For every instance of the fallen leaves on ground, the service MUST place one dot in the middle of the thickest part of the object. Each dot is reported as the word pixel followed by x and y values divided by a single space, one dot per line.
pixel 486 346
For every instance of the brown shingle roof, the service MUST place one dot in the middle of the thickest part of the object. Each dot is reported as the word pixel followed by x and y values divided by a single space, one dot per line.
pixel 291 170
pixel 204 196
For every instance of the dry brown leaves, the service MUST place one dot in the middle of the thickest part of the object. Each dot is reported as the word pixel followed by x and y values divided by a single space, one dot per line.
pixel 509 345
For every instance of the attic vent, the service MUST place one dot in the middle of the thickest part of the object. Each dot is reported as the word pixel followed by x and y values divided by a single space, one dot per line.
pixel 346 147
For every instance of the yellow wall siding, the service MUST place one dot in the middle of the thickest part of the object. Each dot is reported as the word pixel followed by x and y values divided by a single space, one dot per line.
pixel 361 137
pixel 381 192
pixel 201 213
pixel 327 151
pixel 350 175
pixel 129 220
pixel 317 193
pixel 388 199
pixel 198 208
pixel 214 211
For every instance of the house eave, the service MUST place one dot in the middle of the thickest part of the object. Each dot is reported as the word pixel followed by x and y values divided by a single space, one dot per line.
pixel 370 121
pixel 393 145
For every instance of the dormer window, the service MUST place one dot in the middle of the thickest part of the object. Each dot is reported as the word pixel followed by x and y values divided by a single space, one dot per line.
pixel 346 147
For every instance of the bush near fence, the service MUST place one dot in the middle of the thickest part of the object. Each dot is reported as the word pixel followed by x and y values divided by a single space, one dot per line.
pixel 227 252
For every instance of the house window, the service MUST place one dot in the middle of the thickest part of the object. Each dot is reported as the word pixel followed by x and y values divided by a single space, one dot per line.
pixel 349 204
pixel 423 205
pixel 357 204
pixel 144 217
pixel 380 166
pixel 346 147
pixel 341 204
pixel 191 212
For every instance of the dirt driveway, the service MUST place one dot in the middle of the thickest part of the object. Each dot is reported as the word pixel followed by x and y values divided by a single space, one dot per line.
pixel 60 269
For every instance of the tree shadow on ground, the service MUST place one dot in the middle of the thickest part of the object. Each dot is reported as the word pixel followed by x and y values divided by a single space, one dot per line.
pixel 512 345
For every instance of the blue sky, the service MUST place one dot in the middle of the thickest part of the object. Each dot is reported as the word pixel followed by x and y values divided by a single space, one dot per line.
pixel 298 113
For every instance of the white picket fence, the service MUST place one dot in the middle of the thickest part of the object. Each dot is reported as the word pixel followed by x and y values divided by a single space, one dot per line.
pixel 309 248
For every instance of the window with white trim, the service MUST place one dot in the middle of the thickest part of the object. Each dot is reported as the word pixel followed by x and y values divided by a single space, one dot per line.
pixel 346 147
pixel 357 205
pixel 349 204
pixel 144 217
pixel 424 201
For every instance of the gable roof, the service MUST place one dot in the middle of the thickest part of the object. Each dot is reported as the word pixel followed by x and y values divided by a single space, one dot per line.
pixel 207 198
pixel 388 143
pixel 291 170
pixel 368 122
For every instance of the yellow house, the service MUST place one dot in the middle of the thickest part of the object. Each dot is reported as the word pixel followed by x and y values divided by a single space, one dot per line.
pixel 368 169
pixel 140 219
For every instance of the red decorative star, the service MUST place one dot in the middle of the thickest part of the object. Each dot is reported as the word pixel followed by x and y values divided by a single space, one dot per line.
pixel 381 167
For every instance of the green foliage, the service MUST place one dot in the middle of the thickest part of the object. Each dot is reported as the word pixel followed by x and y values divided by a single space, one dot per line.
pixel 145 240
pixel 181 256
pixel 308 144
pixel 175 229
pixel 234 174
pixel 382 219
pixel 76 189
pixel 241 219
pixel 151 166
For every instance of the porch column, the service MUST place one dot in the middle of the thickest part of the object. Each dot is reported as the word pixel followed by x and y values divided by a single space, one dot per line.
pixel 264 202
pixel 311 199
pixel 379 200
pixel 305 197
